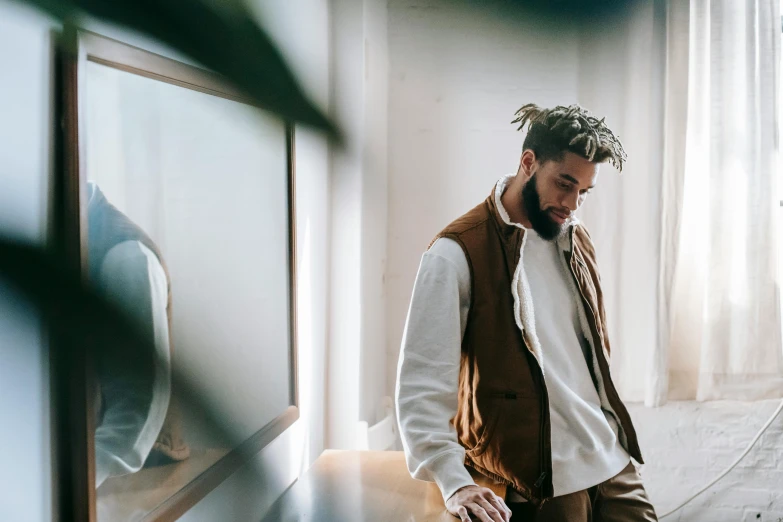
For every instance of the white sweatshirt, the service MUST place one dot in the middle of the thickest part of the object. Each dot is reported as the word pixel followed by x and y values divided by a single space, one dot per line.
pixel 585 446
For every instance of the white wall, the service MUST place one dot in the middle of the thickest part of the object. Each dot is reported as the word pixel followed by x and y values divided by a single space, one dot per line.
pixel 26 107
pixel 374 210
pixel 456 79
pixel 357 305
pixel 346 106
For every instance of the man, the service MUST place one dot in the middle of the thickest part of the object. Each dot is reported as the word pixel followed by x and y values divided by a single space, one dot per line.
pixel 503 381
pixel 134 420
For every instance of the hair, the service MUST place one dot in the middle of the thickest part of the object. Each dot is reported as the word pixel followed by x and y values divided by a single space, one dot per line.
pixel 552 132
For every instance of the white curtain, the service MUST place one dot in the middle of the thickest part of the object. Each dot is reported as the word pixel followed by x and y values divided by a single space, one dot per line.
pixel 720 335
pixel 687 235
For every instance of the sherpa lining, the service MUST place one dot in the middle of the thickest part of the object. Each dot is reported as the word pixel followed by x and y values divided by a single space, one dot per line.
pixel 520 288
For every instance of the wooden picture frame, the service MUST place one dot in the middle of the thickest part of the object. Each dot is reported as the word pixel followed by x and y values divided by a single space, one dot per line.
pixel 74 447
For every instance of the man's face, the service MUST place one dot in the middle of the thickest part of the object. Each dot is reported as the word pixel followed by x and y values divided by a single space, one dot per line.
pixel 555 190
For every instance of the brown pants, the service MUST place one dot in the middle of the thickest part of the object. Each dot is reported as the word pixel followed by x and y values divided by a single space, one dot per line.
pixel 619 499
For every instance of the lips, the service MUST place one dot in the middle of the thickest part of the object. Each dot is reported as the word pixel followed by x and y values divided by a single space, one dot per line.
pixel 559 217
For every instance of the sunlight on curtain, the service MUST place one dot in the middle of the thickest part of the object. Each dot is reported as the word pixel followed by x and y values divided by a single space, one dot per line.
pixel 721 337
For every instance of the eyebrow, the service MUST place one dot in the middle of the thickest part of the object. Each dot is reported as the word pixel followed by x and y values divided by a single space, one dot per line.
pixel 575 181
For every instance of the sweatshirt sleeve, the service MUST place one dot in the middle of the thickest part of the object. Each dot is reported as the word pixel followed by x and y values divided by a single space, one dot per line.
pixel 428 368
pixel 135 400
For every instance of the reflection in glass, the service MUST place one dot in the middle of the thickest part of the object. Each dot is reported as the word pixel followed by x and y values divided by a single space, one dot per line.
pixel 134 389
pixel 187 232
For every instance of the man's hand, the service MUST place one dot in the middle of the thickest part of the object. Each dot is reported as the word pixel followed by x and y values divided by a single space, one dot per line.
pixel 480 502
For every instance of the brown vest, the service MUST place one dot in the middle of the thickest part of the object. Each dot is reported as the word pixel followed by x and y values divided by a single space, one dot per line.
pixel 503 414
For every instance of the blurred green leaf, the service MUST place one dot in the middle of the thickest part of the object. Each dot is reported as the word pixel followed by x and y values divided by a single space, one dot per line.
pixel 219 34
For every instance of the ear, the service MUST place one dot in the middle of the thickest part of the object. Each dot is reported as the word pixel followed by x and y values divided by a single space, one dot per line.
pixel 527 163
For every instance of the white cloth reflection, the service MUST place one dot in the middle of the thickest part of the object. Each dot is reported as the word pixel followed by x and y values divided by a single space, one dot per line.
pixel 133 277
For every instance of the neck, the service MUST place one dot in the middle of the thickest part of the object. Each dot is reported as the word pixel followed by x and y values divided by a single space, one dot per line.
pixel 512 202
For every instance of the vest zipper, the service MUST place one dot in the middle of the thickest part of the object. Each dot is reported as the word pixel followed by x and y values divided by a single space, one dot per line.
pixel 543 436
pixel 543 433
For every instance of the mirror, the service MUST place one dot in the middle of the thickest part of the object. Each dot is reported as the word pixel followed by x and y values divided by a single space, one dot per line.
pixel 185 204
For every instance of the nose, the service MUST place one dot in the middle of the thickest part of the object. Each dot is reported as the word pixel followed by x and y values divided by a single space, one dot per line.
pixel 572 201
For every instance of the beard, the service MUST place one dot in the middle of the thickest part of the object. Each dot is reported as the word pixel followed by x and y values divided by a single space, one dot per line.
pixel 542 221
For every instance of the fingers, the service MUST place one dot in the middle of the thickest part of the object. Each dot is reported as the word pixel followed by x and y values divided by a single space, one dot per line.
pixel 494 514
pixel 482 503
pixel 479 512
pixel 462 513
pixel 501 506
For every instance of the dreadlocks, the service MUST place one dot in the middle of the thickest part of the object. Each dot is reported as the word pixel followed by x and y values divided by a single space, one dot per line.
pixel 551 132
